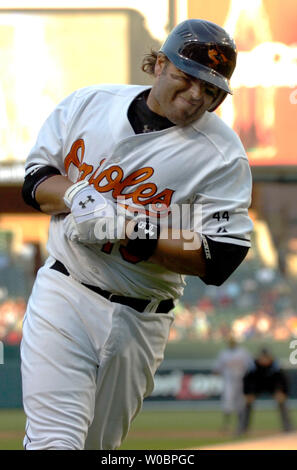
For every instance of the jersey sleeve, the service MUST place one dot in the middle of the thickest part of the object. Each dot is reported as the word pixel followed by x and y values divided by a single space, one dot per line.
pixel 220 209
pixel 221 260
pixel 49 147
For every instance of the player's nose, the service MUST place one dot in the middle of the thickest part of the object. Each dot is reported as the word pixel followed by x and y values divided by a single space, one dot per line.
pixel 196 89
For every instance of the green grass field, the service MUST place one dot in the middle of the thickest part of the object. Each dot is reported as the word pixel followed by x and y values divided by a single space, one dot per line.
pixel 159 430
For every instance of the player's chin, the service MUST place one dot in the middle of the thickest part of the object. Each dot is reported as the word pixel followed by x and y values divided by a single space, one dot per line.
pixel 183 117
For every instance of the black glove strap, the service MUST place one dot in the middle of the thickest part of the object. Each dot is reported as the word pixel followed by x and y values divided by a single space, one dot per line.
pixel 144 239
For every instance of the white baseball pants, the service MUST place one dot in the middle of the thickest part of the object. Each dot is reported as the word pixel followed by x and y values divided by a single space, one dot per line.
pixel 87 364
pixel 232 396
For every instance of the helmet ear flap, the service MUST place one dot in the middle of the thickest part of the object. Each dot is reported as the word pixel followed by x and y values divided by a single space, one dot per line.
pixel 219 99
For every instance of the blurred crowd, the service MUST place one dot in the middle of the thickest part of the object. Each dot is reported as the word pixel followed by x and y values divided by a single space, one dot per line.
pixel 11 317
pixel 259 306
pixel 256 304
pixel 193 322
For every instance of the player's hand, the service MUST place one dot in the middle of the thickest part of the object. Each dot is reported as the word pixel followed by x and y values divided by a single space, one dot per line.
pixel 94 216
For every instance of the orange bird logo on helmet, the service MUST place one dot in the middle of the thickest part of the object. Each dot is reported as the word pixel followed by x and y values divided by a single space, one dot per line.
pixel 216 56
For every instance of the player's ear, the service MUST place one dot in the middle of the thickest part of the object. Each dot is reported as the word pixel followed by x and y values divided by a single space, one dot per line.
pixel 161 64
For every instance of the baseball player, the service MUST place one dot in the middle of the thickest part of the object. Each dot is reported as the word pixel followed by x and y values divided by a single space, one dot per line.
pixel 111 164
pixel 266 376
pixel 232 364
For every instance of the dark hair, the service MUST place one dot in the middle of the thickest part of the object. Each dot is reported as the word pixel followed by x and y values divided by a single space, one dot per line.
pixel 265 352
pixel 149 62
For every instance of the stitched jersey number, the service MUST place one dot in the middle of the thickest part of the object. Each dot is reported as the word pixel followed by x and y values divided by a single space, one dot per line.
pixel 219 216
pixel 107 248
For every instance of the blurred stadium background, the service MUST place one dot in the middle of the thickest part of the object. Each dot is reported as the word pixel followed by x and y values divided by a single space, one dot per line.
pixel 50 48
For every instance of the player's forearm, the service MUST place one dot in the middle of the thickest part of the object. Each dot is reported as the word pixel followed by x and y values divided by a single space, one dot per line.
pixel 50 193
pixel 180 254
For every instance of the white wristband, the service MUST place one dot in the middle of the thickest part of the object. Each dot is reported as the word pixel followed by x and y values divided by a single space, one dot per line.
pixel 72 190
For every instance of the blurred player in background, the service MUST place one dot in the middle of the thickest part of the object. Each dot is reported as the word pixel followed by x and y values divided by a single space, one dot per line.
pixel 232 364
pixel 266 376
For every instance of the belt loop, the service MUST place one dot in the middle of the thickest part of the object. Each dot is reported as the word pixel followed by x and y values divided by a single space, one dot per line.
pixel 152 306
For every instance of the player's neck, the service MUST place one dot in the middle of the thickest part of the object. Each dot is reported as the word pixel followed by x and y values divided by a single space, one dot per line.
pixel 153 104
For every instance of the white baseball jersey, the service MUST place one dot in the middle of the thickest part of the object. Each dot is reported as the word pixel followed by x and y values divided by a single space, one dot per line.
pixel 232 364
pixel 88 136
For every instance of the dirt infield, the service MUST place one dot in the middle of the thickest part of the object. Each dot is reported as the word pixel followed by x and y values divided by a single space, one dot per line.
pixel 277 442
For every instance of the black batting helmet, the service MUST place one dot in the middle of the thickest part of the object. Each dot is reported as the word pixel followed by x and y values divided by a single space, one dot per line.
pixel 203 50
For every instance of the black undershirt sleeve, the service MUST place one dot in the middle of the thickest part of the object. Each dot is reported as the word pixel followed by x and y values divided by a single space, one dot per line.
pixel 33 180
pixel 221 260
